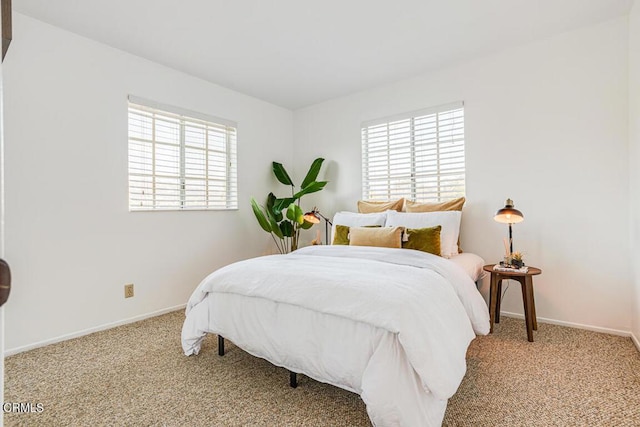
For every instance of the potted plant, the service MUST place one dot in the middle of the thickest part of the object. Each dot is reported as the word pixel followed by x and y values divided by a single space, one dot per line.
pixel 283 218
pixel 516 259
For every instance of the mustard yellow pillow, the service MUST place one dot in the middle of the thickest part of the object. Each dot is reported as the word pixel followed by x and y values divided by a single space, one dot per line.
pixel 450 205
pixel 384 237
pixel 423 239
pixel 341 236
pixel 375 206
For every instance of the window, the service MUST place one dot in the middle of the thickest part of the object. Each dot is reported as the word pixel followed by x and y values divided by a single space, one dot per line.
pixel 419 155
pixel 180 160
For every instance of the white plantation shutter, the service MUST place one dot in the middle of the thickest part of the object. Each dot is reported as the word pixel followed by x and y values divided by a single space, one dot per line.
pixel 419 155
pixel 180 160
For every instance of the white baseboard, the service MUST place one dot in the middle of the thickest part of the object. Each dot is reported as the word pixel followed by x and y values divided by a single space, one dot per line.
pixel 12 351
pixel 574 325
pixel 106 326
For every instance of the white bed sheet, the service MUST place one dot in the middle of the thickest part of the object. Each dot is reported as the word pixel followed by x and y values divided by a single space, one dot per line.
pixel 405 358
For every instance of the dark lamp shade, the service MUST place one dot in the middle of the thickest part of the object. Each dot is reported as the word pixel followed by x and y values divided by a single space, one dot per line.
pixel 509 214
pixel 312 217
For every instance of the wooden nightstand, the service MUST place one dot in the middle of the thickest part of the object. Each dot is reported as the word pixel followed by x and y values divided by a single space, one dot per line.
pixel 495 295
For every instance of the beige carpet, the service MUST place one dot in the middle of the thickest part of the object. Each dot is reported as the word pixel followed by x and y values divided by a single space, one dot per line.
pixel 136 375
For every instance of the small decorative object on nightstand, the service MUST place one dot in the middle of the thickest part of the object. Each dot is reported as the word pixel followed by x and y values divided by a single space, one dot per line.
pixel 516 259
pixel 495 294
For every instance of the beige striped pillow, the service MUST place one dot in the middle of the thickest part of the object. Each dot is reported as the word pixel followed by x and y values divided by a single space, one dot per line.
pixel 372 206
pixel 384 237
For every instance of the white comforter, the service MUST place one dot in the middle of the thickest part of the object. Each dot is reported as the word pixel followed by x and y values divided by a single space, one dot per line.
pixel 400 319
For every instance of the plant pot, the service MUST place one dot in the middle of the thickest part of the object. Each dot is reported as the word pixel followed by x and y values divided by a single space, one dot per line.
pixel 517 263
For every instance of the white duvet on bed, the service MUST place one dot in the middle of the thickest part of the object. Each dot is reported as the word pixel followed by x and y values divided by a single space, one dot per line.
pixel 390 324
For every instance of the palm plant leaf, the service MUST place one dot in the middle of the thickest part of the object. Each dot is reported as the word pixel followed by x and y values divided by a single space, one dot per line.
pixel 313 172
pixel 295 214
pixel 281 204
pixel 260 216
pixel 310 188
pixel 272 213
pixel 286 227
pixel 281 174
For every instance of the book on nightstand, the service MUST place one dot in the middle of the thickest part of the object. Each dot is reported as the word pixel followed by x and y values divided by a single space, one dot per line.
pixel 499 267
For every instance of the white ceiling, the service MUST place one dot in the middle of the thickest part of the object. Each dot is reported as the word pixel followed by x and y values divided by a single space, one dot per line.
pixel 296 53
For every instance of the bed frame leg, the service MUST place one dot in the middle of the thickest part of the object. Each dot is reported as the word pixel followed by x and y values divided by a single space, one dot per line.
pixel 220 346
pixel 293 380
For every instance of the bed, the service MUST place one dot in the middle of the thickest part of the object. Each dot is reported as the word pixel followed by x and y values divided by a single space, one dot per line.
pixel 392 325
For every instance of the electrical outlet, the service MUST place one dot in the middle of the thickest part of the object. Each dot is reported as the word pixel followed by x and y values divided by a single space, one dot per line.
pixel 128 290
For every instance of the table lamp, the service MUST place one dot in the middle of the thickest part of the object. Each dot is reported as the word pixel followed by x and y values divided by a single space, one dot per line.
pixel 509 215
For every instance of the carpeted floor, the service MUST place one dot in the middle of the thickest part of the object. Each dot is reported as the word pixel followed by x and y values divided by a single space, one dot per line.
pixel 136 375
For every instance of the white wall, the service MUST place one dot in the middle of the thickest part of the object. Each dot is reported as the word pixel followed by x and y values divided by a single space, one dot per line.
pixel 634 144
pixel 70 239
pixel 546 124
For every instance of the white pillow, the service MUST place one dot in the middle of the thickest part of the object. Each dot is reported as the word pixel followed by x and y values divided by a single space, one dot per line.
pixel 471 263
pixel 448 220
pixel 352 219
